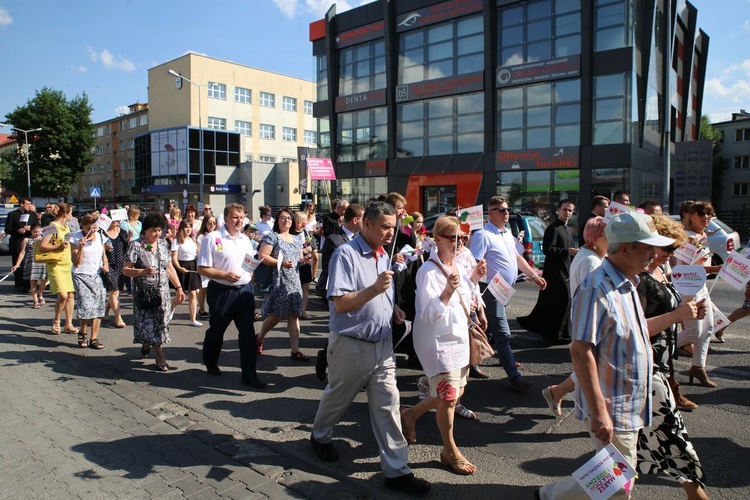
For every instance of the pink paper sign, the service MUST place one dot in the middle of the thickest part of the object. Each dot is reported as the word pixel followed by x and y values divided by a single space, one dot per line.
pixel 736 270
pixel 321 169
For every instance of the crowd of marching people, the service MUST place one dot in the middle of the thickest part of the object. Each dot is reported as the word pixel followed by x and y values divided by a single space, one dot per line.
pixel 391 287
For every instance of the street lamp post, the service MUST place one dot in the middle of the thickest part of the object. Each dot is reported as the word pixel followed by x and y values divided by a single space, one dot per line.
pixel 26 147
pixel 200 127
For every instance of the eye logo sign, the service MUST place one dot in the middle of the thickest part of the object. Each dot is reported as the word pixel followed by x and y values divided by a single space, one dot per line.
pixel 410 20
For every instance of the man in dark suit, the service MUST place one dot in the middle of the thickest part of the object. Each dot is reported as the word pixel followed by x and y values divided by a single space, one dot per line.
pixel 18 226
pixel 599 206
pixel 331 221
pixel 352 225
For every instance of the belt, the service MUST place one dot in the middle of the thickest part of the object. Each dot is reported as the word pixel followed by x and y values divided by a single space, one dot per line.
pixel 227 287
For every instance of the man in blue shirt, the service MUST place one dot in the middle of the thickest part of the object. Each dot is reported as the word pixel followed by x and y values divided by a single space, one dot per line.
pixel 360 349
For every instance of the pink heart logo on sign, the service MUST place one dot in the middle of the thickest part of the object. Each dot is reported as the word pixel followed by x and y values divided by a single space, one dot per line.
pixel 677 275
pixel 730 260
pixel 720 322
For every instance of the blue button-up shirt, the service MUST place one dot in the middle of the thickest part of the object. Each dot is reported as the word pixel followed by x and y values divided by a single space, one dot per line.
pixel 353 267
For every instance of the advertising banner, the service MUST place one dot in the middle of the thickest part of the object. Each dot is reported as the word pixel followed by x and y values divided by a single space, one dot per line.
pixel 360 101
pixel 436 14
pixel 470 82
pixel 321 169
pixel 538 71
pixel 538 158
pixel 360 35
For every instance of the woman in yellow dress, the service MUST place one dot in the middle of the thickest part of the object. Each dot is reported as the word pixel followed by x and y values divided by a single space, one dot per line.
pixel 60 272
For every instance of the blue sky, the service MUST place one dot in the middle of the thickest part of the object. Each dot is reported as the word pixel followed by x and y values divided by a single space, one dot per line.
pixel 105 48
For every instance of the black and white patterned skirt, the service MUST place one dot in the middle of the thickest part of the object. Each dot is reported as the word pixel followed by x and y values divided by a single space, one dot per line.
pixel 91 295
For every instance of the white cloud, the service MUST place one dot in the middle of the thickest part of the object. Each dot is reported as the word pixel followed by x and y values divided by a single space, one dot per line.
pixel 110 61
pixel 287 7
pixel 122 110
pixel 80 69
pixel 318 8
pixel 5 19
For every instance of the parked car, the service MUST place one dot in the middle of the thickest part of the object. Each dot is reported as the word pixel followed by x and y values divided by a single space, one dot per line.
pixel 5 241
pixel 722 239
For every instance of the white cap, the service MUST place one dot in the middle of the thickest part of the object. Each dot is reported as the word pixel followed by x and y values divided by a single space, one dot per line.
pixel 629 227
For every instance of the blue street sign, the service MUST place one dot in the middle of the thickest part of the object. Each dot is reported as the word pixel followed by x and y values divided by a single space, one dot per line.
pixel 94 193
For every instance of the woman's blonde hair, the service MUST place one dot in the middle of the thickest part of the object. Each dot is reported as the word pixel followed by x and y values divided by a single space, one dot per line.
pixel 443 223
pixel 670 228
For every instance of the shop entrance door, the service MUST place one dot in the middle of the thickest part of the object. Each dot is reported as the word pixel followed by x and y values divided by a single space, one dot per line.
pixel 438 199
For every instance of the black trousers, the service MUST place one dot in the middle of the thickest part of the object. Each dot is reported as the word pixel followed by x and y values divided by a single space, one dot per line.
pixel 15 250
pixel 231 304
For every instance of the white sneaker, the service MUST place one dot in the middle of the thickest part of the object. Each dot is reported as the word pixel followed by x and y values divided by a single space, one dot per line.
pixel 196 323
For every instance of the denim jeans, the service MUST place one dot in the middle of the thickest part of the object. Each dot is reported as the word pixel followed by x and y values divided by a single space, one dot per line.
pixel 499 329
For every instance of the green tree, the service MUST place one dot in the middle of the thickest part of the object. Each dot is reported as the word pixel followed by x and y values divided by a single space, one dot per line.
pixel 59 153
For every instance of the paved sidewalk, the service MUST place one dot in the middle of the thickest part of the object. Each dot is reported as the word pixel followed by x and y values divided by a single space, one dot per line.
pixel 67 434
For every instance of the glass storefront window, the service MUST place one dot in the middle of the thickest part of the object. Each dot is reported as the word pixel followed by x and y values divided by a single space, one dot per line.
pixel 612 95
pixel 538 192
pixel 362 135
pixel 611 22
pixel 455 47
pixel 362 67
pixel 322 67
pixel 362 190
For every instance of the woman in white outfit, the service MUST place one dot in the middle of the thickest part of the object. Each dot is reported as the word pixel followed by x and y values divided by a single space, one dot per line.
pixel 698 332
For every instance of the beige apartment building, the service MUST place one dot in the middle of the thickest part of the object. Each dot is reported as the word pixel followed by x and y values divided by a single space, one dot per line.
pixel 251 122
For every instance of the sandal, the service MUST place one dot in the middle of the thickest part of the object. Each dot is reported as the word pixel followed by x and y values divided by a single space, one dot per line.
pixel 553 404
pixel 120 324
pixel 36 305
pixel 41 300
pixel 259 347
pixel 458 465
pixel 257 317
pixel 410 434
pixel 463 411
pixel 162 368
pixel 719 337
pixel 145 350
pixel 299 356
pixel 82 340
pixel 95 344
pixel 423 388
pixel 71 329
pixel 56 327
pixel 304 315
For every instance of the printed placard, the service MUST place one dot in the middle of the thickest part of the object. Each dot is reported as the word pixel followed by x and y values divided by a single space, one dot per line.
pixel 736 270
pixel 616 209
pixel 409 253
pixel 605 474
pixel 103 222
pixel 745 252
pixel 119 214
pixel 720 321
pixel 501 289
pixel 686 253
pixel 474 216
pixel 428 245
pixel 249 263
pixel 24 219
pixel 688 280
pixel 47 230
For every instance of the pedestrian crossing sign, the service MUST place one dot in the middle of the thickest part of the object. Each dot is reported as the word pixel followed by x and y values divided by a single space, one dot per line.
pixel 13 199
pixel 94 193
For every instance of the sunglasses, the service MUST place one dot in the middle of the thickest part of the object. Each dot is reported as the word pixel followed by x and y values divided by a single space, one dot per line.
pixel 669 248
pixel 502 210
pixel 704 214
pixel 453 237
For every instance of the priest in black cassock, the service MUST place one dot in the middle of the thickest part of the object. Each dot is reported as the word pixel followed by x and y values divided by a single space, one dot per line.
pixel 550 315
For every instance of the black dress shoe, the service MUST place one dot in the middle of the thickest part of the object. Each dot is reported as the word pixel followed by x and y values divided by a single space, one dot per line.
pixel 213 370
pixel 475 372
pixel 254 382
pixel 326 452
pixel 203 314
pixel 520 385
pixel 408 484
pixel 321 365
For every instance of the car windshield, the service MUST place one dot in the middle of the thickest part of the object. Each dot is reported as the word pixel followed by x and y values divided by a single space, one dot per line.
pixel 717 224
pixel 537 228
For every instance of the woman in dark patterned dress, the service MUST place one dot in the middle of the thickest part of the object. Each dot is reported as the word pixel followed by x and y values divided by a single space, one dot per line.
pixel 115 249
pixel 665 445
pixel 149 262
pixel 285 296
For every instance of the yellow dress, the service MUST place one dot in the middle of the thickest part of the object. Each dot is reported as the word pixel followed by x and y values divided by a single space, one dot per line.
pixel 61 273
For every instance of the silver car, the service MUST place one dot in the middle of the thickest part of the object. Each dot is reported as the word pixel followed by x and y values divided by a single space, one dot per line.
pixel 722 239
pixel 5 241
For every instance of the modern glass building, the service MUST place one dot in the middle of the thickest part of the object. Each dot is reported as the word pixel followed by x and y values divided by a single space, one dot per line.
pixel 453 102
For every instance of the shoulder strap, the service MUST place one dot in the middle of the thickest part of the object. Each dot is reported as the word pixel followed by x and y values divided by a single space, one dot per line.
pixel 463 306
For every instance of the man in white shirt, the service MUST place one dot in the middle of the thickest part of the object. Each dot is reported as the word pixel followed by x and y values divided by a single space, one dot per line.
pixel 495 243
pixel 230 294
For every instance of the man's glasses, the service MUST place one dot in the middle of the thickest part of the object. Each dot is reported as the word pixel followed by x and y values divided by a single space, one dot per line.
pixel 502 210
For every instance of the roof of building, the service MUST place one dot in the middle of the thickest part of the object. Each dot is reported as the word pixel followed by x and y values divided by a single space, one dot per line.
pixel 5 140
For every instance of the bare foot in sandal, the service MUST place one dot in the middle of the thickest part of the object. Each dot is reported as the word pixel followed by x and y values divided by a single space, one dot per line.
pixel 407 427
pixel 458 464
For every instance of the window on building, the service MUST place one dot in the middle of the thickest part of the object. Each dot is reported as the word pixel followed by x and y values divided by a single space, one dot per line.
pixel 109 166
pixel 109 148
pixel 267 100
pixel 362 135
pixel 243 96
pixel 100 131
pixel 612 109
pixel 362 67
pixel 131 165
pixel 143 120
pixel 310 137
pixel 244 128
pixel 122 145
pixel 122 164
pixel 611 21
pixel 322 71
pixel 100 168
pixel 267 131
pixel 267 159
pixel 452 48
pixel 99 150
pixel 217 123
pixel 131 143
pixel 741 189
pixel 133 122
pixel 324 137
pixel 539 116
pixel 289 103
pixel 109 185
pixel 288 159
pixel 308 107
pixel 289 134
pixel 441 126
pixel 742 162
pixel 742 135
pixel 217 90
pixel 538 30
